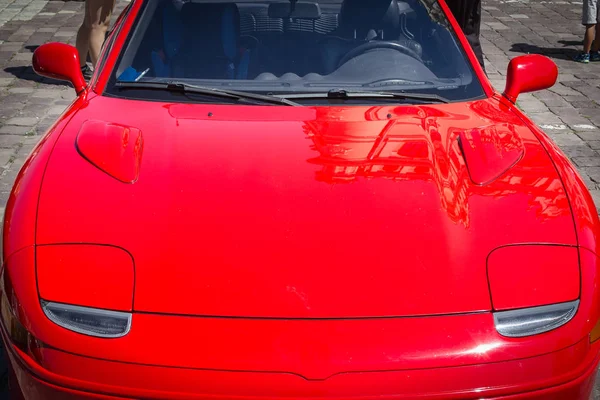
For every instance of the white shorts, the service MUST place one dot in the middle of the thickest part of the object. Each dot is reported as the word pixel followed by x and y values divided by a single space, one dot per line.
pixel 591 12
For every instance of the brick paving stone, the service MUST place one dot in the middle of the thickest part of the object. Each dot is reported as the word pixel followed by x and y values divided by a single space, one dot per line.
pixel 589 136
pixel 593 173
pixel 563 90
pixel 45 93
pixel 56 110
pixel 589 112
pixel 557 102
pixel 14 130
pixel 12 46
pixel 564 111
pixel 22 121
pixel 532 105
pixel 9 110
pixel 587 161
pixel 20 90
pixel 579 151
pixel 596 196
pixel 5 156
pixel 41 101
pixel 23 83
pixel 11 141
pixel 565 139
pixel 545 118
pixel 594 144
pixel 567 77
pixel 595 120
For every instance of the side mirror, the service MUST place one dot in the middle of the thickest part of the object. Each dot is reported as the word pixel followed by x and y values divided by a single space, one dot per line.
pixel 59 61
pixel 528 74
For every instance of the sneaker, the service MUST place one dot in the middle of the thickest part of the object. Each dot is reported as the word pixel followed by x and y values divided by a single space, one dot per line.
pixel 594 55
pixel 582 58
pixel 87 72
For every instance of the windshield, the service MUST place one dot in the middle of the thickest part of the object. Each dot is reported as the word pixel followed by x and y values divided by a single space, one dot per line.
pixel 299 49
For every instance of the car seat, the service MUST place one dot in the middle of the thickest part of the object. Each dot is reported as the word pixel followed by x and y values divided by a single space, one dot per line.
pixel 358 19
pixel 202 42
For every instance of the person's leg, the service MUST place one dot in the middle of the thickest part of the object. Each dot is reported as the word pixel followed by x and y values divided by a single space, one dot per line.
pixel 590 32
pixel 596 44
pixel 83 37
pixel 595 49
pixel 588 19
pixel 100 12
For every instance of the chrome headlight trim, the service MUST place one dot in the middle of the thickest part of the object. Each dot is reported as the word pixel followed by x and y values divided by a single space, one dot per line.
pixel 88 321
pixel 535 320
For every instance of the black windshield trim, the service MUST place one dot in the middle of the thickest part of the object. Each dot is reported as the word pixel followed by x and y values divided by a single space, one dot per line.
pixel 342 94
pixel 184 88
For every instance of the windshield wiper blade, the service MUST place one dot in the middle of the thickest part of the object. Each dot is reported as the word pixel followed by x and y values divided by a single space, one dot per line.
pixel 207 91
pixel 342 94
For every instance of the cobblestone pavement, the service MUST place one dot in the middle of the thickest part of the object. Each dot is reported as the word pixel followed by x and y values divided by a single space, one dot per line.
pixel 569 112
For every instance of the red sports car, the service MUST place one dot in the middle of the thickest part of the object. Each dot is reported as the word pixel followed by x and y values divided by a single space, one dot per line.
pixel 297 199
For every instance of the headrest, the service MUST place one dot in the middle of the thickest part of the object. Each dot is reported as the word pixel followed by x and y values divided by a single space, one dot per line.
pixel 362 16
pixel 214 26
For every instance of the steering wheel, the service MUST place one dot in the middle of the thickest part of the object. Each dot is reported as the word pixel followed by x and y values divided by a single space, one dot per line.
pixel 378 44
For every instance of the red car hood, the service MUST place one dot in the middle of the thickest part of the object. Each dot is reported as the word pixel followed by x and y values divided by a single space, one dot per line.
pixel 301 212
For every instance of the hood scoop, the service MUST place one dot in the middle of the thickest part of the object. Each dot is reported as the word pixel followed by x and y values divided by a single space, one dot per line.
pixel 112 148
pixel 490 151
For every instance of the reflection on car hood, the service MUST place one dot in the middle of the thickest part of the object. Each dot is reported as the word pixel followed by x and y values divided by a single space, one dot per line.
pixel 304 212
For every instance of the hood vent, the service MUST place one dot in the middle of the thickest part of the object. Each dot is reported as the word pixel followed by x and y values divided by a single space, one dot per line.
pixel 114 149
pixel 491 151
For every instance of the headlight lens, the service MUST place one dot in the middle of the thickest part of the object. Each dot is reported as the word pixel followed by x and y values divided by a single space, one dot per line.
pixel 88 321
pixel 534 320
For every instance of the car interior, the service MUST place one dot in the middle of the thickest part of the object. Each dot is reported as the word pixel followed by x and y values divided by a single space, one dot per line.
pixel 289 40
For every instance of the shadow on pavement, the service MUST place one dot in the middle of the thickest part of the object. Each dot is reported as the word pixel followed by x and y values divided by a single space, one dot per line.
pixel 26 73
pixel 571 42
pixel 562 53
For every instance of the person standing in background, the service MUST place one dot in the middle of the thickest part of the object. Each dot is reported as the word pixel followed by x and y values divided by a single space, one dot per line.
pixel 591 41
pixel 468 15
pixel 92 32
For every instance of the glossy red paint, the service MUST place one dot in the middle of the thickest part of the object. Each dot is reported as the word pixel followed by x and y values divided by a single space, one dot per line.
pixel 86 275
pixel 298 346
pixel 300 252
pixel 59 61
pixel 529 73
pixel 572 378
pixel 512 286
pixel 276 357
pixel 113 148
pixel 257 192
